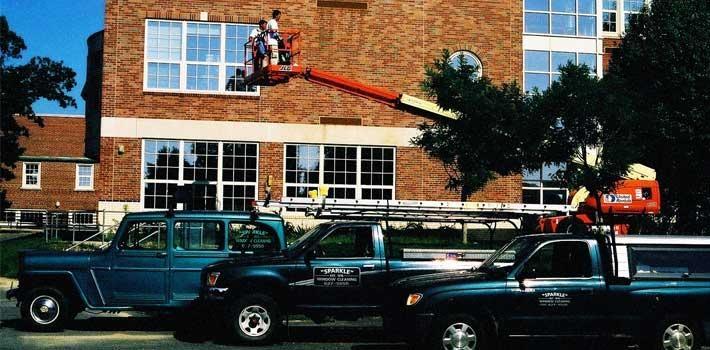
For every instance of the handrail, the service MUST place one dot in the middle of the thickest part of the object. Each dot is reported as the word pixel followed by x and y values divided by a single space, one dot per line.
pixel 114 226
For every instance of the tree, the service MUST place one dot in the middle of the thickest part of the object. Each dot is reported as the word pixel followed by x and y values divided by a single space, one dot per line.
pixel 663 65
pixel 492 134
pixel 21 86
pixel 587 130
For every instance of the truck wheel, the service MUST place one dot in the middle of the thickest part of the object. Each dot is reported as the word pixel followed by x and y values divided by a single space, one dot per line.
pixel 45 309
pixel 674 335
pixel 254 319
pixel 458 332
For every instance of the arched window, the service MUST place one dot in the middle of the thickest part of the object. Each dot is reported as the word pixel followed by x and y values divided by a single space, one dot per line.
pixel 469 59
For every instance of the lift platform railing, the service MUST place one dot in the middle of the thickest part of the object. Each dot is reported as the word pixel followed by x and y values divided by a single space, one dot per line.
pixel 289 58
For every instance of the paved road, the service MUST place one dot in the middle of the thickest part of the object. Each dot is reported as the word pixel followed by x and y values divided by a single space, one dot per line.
pixel 138 331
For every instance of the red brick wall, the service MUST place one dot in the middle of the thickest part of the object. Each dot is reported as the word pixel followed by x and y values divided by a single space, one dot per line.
pixel 118 177
pixel 60 137
pixel 57 182
pixel 388 45
pixel 609 45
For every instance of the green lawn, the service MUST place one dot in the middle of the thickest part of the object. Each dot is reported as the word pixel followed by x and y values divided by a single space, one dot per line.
pixel 9 251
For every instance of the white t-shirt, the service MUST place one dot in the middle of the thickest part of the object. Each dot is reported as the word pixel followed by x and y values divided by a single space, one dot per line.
pixel 254 33
pixel 272 26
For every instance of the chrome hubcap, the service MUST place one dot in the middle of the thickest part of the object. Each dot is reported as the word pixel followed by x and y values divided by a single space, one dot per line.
pixel 678 337
pixel 44 309
pixel 459 336
pixel 254 321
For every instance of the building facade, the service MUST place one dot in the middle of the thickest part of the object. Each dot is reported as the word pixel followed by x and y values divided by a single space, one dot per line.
pixel 53 174
pixel 173 113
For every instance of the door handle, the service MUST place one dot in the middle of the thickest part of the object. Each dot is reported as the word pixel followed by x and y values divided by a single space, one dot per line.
pixel 161 254
pixel 368 266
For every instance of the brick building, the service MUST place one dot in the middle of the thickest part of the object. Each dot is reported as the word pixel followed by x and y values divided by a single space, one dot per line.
pixel 169 115
pixel 53 173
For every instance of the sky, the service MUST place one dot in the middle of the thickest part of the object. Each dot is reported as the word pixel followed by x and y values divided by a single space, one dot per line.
pixel 57 29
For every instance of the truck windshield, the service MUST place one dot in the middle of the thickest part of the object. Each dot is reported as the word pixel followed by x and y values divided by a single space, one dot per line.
pixel 509 255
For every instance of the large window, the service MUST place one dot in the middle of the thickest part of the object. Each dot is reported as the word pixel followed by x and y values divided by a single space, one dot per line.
pixel 31 175
pixel 469 59
pixel 539 186
pixel 561 17
pixel 218 175
pixel 351 172
pixel 670 262
pixel 543 67
pixel 252 237
pixel 196 57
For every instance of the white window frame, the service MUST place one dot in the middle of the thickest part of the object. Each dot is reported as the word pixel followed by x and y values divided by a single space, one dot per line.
pixel 77 186
pixel 183 63
pixel 358 172
pixel 576 15
pixel 542 188
pixel 471 55
pixel 181 180
pixel 25 185
pixel 621 13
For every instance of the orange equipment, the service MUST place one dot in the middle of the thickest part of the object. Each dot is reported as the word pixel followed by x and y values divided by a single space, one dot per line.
pixel 289 66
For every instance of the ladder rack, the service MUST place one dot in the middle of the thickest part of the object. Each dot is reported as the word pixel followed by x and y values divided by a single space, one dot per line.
pixel 409 210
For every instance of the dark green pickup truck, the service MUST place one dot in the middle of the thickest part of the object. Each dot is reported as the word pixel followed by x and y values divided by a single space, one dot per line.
pixel 656 291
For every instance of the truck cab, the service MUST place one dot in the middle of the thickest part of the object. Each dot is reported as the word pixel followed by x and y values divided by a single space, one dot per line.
pixel 153 263
pixel 653 289
pixel 339 269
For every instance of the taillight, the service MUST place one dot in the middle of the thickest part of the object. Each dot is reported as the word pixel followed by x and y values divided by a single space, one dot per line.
pixel 212 279
pixel 413 299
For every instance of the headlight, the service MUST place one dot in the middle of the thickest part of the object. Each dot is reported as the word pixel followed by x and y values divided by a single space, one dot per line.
pixel 212 279
pixel 413 299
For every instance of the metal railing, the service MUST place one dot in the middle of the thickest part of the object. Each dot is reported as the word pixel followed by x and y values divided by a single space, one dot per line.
pixel 92 238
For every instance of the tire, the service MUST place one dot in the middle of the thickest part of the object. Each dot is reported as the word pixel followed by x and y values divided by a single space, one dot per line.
pixel 45 309
pixel 253 319
pixel 674 334
pixel 458 332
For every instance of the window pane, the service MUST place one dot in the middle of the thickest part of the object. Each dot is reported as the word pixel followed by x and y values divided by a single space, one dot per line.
pixel 609 4
pixel 588 7
pixel 560 260
pixel 198 235
pixel 633 5
pixel 537 80
pixel 609 22
pixel 252 237
pixel 564 6
pixel 144 236
pixel 649 262
pixel 564 24
pixel 203 42
pixel 587 26
pixel 164 40
pixel 350 242
pixel 537 5
pixel 202 77
pixel 561 59
pixel 590 60
pixel 537 23
pixel 537 61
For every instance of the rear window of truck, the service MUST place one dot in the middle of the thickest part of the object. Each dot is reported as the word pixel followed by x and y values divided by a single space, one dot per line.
pixel 672 262
pixel 252 237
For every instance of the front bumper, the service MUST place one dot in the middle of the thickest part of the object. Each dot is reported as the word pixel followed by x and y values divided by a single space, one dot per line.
pixel 12 293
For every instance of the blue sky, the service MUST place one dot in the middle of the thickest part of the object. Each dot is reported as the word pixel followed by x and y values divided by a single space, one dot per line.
pixel 57 29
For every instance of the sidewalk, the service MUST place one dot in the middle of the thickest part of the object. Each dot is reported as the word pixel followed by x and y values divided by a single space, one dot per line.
pixel 5 284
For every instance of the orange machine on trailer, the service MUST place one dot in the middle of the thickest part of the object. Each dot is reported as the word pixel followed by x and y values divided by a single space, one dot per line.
pixel 638 194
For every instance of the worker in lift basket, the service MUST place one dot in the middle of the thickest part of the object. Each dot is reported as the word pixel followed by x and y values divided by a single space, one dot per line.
pixel 272 29
pixel 257 38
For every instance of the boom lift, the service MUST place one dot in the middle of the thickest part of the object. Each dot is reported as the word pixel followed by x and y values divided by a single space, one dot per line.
pixel 637 194
pixel 289 67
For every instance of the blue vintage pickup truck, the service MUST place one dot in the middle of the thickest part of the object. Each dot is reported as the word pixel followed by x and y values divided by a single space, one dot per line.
pixel 153 263
pixel 339 269
pixel 654 289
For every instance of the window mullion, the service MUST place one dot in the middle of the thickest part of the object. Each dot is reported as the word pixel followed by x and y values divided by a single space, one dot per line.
pixel 358 172
pixel 321 162
pixel 220 193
